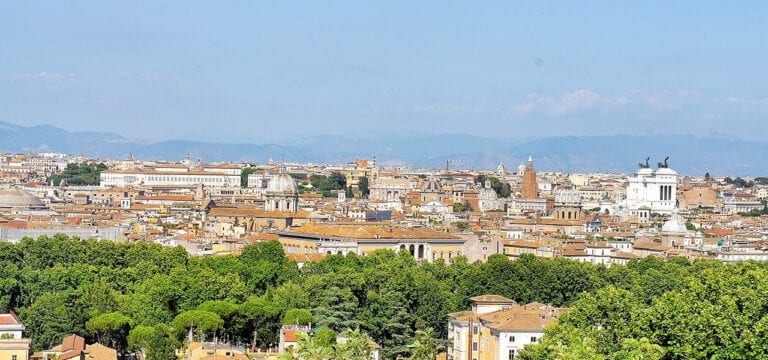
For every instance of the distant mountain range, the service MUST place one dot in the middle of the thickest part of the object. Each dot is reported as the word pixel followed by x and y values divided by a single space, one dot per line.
pixel 689 155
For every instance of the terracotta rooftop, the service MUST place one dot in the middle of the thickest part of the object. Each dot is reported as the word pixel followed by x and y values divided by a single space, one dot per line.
pixel 9 318
pixel 370 231
pixel 522 244
pixel 529 317
pixel 306 258
pixel 251 212
pixel 160 172
pixel 491 299
pixel 290 335
pixel 719 231
pixel 624 255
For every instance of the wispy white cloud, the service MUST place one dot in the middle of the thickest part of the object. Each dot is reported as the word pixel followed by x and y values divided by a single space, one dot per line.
pixel 733 100
pixel 579 101
pixel 575 102
pixel 585 101
pixel 448 108
pixel 43 76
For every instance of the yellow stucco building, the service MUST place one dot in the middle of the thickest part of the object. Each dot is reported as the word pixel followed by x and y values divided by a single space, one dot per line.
pixel 12 345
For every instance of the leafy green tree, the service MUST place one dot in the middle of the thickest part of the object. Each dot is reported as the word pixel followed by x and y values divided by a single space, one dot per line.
pixel 424 345
pixel 639 349
pixel 462 207
pixel 258 320
pixel 201 322
pixel 502 189
pixel 336 308
pixel 325 337
pixel 328 185
pixel 225 309
pixel 362 185
pixel 290 295
pixel 337 180
pixel 461 225
pixel 357 345
pixel 111 329
pixel 139 339
pixel 297 317
pixel 308 348
pixel 244 175
pixel 152 342
pixel 265 266
pixel 80 174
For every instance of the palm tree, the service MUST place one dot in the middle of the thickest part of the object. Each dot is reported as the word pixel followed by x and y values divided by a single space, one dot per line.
pixel 358 345
pixel 308 349
pixel 424 345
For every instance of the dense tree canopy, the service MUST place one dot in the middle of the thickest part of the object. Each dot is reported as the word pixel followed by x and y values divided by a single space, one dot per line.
pixel 80 174
pixel 502 189
pixel 145 298
pixel 244 175
pixel 363 186
pixel 326 185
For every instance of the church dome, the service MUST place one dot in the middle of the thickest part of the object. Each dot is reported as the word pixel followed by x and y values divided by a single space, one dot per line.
pixel 568 196
pixel 283 183
pixel 521 169
pixel 674 225
pixel 16 198
pixel 487 194
pixel 433 185
pixel 501 170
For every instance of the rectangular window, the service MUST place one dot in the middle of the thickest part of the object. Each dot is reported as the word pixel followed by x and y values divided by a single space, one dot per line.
pixel 474 346
pixel 474 330
pixel 511 339
pixel 511 354
pixel 533 339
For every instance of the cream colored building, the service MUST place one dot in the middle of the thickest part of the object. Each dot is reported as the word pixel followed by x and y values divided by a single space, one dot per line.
pixel 164 176
pixel 12 345
pixel 364 238
pixel 497 328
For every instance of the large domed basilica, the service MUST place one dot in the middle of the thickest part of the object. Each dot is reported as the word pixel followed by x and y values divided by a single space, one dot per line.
pixel 19 199
pixel 282 194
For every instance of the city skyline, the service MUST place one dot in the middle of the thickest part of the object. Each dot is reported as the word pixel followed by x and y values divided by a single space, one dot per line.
pixel 253 72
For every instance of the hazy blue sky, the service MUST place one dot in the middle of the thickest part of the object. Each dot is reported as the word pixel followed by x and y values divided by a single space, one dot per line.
pixel 250 71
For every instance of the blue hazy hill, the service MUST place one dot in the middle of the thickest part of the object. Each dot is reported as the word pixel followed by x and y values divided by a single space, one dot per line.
pixel 616 153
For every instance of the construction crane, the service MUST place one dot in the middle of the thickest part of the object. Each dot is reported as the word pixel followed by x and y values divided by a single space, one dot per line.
pixel 449 161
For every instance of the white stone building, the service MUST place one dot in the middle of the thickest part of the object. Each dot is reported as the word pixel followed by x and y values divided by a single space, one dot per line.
pixel 282 194
pixel 655 189
pixel 166 177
